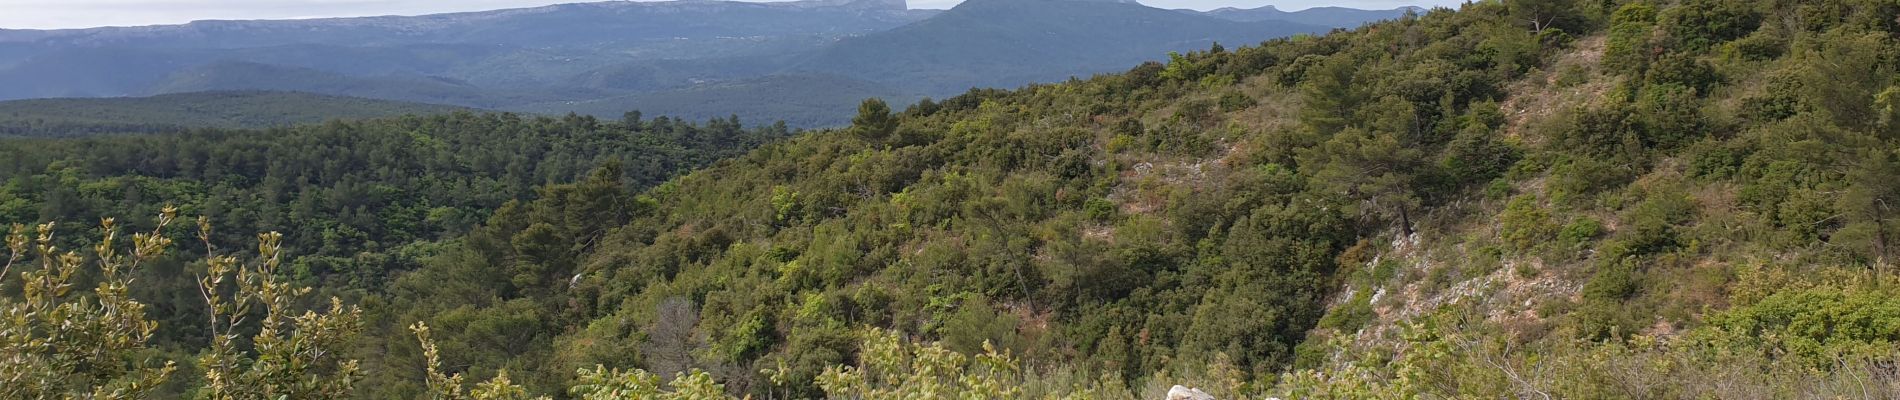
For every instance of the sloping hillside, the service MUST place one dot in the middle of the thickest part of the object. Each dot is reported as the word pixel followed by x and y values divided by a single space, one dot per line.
pixel 1428 207
pixel 1700 211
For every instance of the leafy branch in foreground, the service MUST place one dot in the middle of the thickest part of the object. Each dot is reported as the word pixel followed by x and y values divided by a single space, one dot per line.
pixel 58 343
pixel 443 386
pixel 294 355
pixel 892 369
pixel 599 383
pixel 889 367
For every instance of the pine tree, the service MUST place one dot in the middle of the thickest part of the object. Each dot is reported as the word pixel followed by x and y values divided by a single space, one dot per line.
pixel 874 122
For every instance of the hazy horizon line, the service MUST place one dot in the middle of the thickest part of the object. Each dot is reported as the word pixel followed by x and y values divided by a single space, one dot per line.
pixel 912 4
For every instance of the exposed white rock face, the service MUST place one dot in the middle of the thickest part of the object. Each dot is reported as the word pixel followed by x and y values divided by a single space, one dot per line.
pixel 1179 392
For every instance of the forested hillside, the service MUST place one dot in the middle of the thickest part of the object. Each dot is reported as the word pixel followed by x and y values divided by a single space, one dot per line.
pixel 181 112
pixel 1525 199
pixel 357 202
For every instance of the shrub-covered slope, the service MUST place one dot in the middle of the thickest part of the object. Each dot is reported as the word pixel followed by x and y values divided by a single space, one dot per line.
pixel 1633 169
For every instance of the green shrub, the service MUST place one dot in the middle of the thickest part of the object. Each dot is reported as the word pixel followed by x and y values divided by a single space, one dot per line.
pixel 1715 160
pixel 1763 45
pixel 1498 189
pixel 1626 49
pixel 1353 315
pixel 1579 232
pixel 1671 116
pixel 1607 132
pixel 1100 209
pixel 1384 271
pixel 1684 70
pixel 1525 224
pixel 1614 281
pixel 976 324
pixel 1236 101
pixel 1818 324
pixel 1197 112
pixel 1526 270
pixel 1604 312
pixel 1699 24
pixel 1652 226
pixel 1484 261
pixel 1573 181
pixel 1475 155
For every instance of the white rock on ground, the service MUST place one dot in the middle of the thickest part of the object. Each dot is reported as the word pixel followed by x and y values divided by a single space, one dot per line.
pixel 1179 392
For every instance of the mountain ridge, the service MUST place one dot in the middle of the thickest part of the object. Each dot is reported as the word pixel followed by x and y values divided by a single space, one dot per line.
pixel 1337 17
pixel 424 22
pixel 586 53
pixel 1006 43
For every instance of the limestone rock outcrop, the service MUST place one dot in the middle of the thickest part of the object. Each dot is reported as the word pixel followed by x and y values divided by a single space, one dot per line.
pixel 1179 392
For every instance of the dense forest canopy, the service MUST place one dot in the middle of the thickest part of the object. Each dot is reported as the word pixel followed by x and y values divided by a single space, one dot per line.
pixel 1545 199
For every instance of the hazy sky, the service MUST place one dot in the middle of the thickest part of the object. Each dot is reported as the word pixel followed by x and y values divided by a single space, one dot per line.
pixel 49 14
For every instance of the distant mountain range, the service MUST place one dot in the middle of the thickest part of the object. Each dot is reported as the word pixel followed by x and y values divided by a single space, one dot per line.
pixel 696 57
